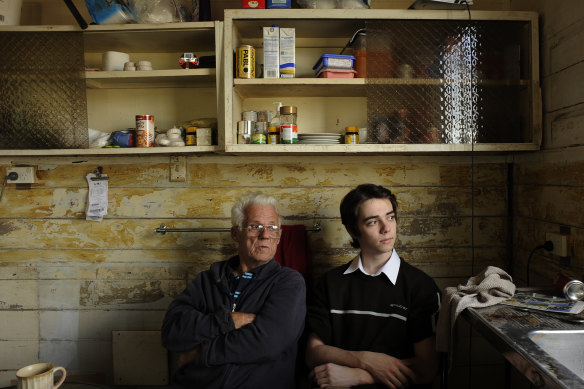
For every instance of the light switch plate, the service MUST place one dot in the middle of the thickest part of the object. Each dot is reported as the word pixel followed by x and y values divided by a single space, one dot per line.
pixel 178 168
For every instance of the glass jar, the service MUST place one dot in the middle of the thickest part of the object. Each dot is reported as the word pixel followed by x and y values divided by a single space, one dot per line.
pixel 352 135
pixel 273 135
pixel 191 136
pixel 288 127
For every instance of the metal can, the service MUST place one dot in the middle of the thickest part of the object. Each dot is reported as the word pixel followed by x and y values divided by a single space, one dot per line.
pixel 571 288
pixel 144 130
pixel 245 62
pixel 191 136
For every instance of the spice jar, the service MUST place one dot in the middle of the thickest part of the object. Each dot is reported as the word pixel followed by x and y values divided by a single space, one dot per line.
pixel 352 135
pixel 288 128
pixel 191 136
pixel 273 135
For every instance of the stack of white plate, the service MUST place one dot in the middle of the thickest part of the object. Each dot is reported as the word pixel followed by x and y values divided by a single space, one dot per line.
pixel 320 138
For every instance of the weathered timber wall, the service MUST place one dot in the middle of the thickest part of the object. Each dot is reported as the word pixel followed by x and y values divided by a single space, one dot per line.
pixel 549 185
pixel 71 281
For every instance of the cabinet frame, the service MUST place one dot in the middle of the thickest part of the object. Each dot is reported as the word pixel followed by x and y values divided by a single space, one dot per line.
pixel 153 38
pixel 239 23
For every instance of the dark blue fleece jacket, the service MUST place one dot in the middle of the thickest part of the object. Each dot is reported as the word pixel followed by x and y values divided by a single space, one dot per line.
pixel 259 355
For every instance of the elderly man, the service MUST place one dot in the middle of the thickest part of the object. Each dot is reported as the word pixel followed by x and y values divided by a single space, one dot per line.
pixel 372 320
pixel 237 324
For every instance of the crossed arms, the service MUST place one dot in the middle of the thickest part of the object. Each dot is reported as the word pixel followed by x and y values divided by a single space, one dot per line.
pixel 333 366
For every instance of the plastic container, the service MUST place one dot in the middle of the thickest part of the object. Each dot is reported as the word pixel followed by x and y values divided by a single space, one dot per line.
pixel 336 73
pixel 336 61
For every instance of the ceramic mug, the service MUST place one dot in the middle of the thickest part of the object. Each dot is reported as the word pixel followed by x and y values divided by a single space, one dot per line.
pixel 39 376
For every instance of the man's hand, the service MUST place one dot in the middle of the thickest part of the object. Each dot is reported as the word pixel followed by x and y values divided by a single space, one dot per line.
pixel 331 374
pixel 241 319
pixel 390 371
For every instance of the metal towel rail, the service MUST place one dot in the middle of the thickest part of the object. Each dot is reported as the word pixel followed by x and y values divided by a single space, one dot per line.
pixel 163 229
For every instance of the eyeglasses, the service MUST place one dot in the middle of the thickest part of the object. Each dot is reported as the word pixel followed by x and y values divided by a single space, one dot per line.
pixel 258 229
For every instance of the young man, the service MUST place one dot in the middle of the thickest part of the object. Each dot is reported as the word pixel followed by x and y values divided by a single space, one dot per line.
pixel 372 320
pixel 237 325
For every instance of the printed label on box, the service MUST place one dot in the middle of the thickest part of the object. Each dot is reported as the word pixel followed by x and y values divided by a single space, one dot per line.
pixel 287 52
pixel 271 52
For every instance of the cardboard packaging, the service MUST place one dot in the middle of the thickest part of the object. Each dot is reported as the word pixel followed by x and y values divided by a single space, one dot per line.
pixel 271 52
pixel 253 3
pixel 287 53
pixel 278 4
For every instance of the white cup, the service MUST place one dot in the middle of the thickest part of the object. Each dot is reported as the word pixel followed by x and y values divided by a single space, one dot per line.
pixel 40 376
pixel 114 60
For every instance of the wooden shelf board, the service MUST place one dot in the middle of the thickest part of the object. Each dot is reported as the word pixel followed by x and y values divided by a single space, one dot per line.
pixel 113 151
pixel 175 78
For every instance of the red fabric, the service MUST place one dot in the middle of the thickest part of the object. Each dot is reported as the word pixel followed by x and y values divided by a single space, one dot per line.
pixel 293 250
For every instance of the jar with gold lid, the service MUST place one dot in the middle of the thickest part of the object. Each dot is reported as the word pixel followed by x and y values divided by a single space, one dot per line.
pixel 352 135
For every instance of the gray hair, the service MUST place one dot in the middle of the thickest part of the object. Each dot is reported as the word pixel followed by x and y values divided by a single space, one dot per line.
pixel 251 198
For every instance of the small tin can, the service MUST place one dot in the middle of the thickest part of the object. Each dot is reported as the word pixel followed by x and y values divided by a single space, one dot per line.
pixel 144 130
pixel 245 62
pixel 191 136
pixel 571 288
pixel 244 130
pixel 249 115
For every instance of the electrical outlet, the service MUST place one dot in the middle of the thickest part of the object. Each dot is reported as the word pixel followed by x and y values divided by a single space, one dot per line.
pixel 178 168
pixel 26 175
pixel 560 243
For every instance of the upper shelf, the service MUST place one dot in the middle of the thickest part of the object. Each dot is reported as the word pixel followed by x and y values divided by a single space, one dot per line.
pixel 175 78
pixel 338 87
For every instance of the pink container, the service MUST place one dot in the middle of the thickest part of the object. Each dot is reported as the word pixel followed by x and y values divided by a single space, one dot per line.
pixel 336 73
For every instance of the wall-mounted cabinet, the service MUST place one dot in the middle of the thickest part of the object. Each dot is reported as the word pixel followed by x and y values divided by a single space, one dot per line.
pixel 171 94
pixel 436 82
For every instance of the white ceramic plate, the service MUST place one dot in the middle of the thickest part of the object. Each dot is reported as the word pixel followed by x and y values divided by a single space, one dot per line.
pixel 320 135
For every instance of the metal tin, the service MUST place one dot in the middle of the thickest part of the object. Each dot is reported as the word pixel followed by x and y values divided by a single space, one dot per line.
pixel 249 115
pixel 245 62
pixel 574 290
pixel 144 130
pixel 244 129
pixel 191 136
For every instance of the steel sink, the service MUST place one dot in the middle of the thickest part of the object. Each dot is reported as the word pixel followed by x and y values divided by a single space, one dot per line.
pixel 565 346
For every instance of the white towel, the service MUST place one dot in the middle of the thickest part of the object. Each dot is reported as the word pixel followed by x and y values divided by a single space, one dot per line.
pixel 489 287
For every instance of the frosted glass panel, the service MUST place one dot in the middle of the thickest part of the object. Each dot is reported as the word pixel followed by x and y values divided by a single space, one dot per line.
pixel 42 91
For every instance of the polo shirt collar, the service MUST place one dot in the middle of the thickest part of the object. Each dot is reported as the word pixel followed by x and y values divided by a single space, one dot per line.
pixel 390 268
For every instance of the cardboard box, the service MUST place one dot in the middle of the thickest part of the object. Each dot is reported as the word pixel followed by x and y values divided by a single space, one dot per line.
pixel 253 3
pixel 287 53
pixel 271 52
pixel 278 4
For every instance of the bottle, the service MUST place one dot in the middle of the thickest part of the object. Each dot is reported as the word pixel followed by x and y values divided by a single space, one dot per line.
pixel 288 127
pixel 352 135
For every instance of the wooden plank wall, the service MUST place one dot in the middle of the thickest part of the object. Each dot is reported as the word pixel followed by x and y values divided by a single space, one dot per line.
pixel 72 281
pixel 549 185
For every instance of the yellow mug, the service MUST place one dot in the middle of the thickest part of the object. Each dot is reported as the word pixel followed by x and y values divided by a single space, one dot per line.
pixel 39 376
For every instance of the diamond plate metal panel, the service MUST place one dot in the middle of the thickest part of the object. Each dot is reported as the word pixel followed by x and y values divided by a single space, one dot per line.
pixel 447 82
pixel 42 91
